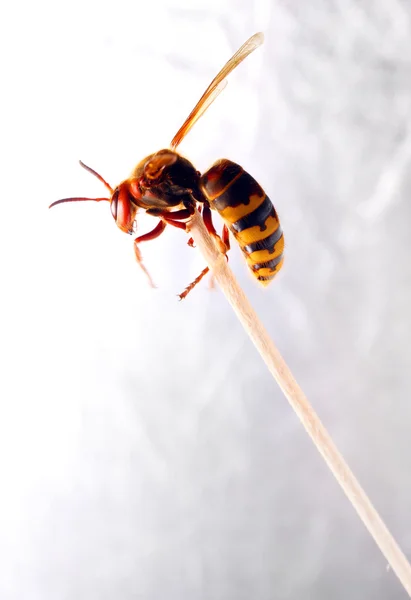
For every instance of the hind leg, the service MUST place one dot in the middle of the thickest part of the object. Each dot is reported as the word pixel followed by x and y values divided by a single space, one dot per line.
pixel 225 236
pixel 225 240
pixel 193 283
pixel 208 222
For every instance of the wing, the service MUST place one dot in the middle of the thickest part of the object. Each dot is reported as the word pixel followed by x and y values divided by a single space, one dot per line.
pixel 216 86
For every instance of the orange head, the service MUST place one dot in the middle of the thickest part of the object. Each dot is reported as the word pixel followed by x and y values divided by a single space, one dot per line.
pixel 123 203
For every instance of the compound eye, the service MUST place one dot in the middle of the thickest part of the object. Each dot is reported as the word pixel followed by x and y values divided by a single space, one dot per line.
pixel 157 163
pixel 114 204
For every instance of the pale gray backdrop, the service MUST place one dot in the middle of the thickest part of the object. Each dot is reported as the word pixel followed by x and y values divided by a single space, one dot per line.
pixel 145 450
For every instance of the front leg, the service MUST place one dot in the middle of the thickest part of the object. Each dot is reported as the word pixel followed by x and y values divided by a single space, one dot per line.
pixel 151 235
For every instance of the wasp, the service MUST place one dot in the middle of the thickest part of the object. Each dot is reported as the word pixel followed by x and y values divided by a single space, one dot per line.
pixel 167 186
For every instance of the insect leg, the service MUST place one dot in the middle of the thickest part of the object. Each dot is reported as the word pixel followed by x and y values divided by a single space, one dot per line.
pixel 224 245
pixel 226 237
pixel 193 283
pixel 208 222
pixel 173 218
pixel 151 235
pixel 191 240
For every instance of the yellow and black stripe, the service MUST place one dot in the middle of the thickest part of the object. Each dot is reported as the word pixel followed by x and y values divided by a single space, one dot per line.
pixel 249 214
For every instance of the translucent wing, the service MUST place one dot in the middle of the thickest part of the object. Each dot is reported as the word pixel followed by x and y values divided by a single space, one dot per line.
pixel 216 86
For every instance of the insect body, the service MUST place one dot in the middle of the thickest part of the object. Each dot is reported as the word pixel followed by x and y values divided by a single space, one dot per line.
pixel 249 215
pixel 167 186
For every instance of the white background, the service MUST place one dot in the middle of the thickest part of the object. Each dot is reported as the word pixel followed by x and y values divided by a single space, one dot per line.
pixel 145 451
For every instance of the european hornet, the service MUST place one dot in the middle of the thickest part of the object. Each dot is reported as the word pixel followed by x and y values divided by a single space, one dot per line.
pixel 167 186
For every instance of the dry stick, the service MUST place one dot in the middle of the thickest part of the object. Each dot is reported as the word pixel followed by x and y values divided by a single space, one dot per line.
pixel 282 374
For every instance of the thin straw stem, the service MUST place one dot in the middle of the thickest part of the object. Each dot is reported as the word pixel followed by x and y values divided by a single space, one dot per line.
pixel 294 394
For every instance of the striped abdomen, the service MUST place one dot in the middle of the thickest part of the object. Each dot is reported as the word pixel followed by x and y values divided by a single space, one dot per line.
pixel 249 214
